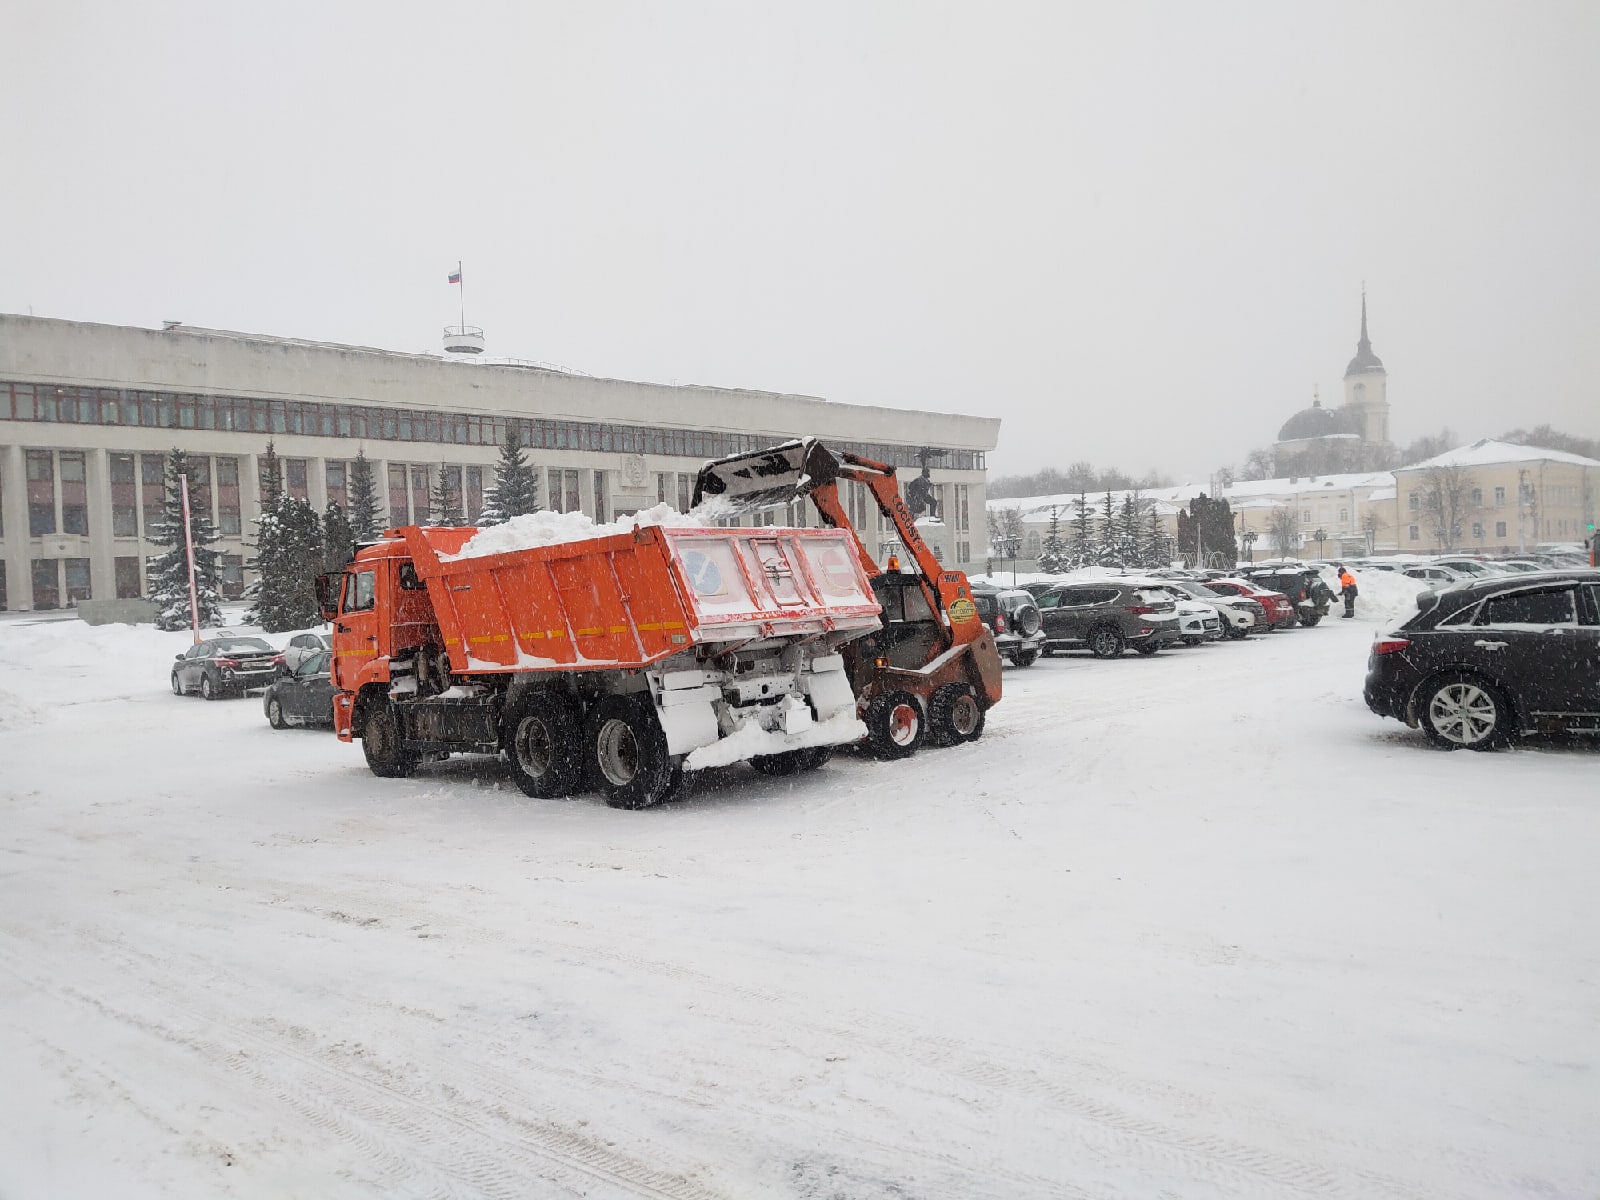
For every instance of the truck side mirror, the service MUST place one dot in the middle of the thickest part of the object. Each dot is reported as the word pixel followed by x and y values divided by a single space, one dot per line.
pixel 328 595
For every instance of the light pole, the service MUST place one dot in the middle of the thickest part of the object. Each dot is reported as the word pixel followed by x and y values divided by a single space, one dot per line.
pixel 1249 540
pixel 1013 548
pixel 1319 535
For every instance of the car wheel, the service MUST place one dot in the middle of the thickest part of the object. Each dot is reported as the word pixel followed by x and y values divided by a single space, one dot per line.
pixel 628 753
pixel 275 714
pixel 543 741
pixel 1193 641
pixel 380 742
pixel 1464 711
pixel 208 689
pixel 1105 641
pixel 955 715
pixel 895 727
pixel 1147 647
pixel 1026 658
pixel 177 685
pixel 1310 619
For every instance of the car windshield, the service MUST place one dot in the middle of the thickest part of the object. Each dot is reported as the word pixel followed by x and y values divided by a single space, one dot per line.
pixel 241 646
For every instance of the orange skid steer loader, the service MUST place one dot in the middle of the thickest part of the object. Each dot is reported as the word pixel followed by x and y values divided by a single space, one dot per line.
pixel 933 670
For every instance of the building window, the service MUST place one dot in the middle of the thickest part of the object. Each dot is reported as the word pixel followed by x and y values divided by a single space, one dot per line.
pixel 1477 497
pixel 124 497
pixel 1477 531
pixel 661 487
pixel 963 510
pixel 452 487
pixel 1344 516
pixel 685 492
pixel 294 478
pixel 46 583
pixel 399 506
pixel 1414 502
pixel 41 493
pixel 77 570
pixel 127 571
pixel 963 549
pixel 152 476
pixel 337 476
pixel 228 512
pixel 420 512
pixel 1412 533
pixel 232 576
pixel 1305 515
pixel 1500 529
pixel 74 493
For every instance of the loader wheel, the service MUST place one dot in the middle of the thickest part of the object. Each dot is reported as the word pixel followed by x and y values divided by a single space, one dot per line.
pixel 955 715
pixel 792 762
pixel 628 753
pixel 380 742
pixel 895 726
pixel 544 743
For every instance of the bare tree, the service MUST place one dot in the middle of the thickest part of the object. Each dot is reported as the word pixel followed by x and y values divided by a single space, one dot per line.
pixel 1446 497
pixel 1005 532
pixel 1283 528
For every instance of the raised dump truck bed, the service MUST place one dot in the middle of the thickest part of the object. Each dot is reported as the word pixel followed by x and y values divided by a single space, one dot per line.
pixel 625 658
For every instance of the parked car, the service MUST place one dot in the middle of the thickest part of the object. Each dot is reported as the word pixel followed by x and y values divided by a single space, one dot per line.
pixel 303 645
pixel 1303 586
pixel 1276 610
pixel 1106 616
pixel 1467 567
pixel 1013 618
pixel 222 665
pixel 1198 622
pixel 1435 575
pixel 1238 614
pixel 1487 661
pixel 304 696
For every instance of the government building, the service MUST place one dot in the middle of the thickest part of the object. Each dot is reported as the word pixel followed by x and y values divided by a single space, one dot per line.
pixel 88 413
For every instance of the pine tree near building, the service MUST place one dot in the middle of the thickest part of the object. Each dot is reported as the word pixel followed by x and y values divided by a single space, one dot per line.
pixel 1053 554
pixel 444 500
pixel 338 539
pixel 169 572
pixel 289 557
pixel 1082 532
pixel 515 491
pixel 271 477
pixel 1155 547
pixel 364 510
pixel 1106 546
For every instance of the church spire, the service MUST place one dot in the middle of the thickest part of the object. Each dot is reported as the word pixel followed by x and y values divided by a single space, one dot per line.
pixel 1365 345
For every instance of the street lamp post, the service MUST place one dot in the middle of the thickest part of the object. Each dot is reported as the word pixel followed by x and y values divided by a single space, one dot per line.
pixel 1249 540
pixel 1319 535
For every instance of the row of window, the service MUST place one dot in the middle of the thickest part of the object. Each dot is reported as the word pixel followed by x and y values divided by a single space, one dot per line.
pixel 160 410
pixel 66 581
pixel 1561 528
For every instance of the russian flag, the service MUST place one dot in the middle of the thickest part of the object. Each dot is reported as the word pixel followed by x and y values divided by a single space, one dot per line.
pixel 455 277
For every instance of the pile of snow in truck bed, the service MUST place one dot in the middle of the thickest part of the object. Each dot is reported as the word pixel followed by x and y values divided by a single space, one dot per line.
pixel 533 530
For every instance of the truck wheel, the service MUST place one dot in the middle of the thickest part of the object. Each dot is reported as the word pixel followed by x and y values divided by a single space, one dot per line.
pixel 894 725
pixel 628 753
pixel 544 743
pixel 380 742
pixel 954 715
pixel 1106 641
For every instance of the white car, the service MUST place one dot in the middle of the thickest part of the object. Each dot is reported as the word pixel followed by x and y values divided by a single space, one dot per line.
pixel 1238 615
pixel 1434 574
pixel 304 645
pixel 1197 622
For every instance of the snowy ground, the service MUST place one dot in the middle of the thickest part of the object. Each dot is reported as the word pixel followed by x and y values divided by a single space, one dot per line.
pixel 1190 926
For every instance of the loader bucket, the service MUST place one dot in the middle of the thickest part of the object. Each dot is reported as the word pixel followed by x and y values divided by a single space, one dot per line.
pixel 766 478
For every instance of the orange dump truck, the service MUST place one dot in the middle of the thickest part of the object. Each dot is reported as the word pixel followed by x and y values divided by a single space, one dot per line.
pixel 616 661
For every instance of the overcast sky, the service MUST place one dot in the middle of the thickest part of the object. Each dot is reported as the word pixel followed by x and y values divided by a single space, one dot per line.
pixel 1138 233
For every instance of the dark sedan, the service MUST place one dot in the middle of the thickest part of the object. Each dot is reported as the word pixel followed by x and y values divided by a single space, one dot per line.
pixel 221 666
pixel 1483 663
pixel 303 698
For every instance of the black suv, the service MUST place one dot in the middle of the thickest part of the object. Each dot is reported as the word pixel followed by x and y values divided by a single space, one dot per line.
pixel 1303 585
pixel 1482 663
pixel 1013 618
pixel 1105 616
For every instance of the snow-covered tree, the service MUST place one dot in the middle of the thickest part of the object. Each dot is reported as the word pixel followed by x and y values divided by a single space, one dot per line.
pixel 289 556
pixel 365 514
pixel 1082 532
pixel 1053 554
pixel 444 499
pixel 338 540
pixel 1106 544
pixel 515 491
pixel 169 572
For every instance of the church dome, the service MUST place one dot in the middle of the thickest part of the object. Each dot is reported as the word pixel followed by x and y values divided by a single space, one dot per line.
pixel 1314 422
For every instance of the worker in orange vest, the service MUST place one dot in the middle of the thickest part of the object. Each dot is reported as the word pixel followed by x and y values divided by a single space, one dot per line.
pixel 1347 589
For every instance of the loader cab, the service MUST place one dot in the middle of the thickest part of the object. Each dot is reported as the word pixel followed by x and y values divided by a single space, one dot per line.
pixel 911 633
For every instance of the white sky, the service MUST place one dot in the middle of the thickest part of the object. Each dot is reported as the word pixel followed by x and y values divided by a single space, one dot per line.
pixel 1136 232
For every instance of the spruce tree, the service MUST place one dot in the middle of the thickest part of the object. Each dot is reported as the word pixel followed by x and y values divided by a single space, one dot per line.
pixel 1156 539
pixel 1082 532
pixel 444 503
pixel 1130 537
pixel 338 540
pixel 1106 550
pixel 289 556
pixel 1053 554
pixel 364 511
pixel 515 491
pixel 169 572
pixel 271 477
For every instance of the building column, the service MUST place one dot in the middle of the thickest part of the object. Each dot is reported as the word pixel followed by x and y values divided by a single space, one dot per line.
pixel 14 503
pixel 102 551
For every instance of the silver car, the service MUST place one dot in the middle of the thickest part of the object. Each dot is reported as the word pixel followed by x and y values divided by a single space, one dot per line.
pixel 302 646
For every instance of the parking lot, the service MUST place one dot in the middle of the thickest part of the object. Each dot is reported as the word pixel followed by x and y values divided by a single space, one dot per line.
pixel 1194 925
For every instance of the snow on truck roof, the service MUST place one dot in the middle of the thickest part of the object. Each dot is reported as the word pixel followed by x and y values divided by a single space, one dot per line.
pixel 546 528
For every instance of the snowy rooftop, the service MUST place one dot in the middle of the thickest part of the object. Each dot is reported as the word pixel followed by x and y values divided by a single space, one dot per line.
pixel 1488 452
pixel 1245 493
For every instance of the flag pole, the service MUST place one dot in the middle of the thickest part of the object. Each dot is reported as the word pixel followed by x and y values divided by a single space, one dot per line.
pixel 188 549
pixel 461 282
